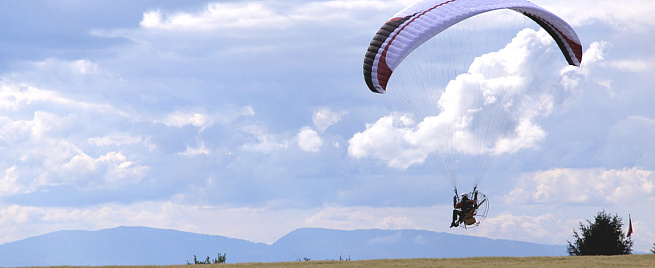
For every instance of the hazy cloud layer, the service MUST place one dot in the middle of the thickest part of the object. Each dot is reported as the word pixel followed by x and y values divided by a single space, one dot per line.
pixel 580 186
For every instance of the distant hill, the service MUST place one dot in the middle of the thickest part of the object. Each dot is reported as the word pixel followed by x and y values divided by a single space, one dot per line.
pixel 151 246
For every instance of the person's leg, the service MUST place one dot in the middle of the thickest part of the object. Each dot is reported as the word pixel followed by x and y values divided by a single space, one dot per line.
pixel 461 215
pixel 453 223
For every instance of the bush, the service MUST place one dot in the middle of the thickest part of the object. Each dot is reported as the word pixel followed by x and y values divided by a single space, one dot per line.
pixel 601 237
pixel 220 259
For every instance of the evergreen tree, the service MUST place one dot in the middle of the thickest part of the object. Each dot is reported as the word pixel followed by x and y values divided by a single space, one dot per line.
pixel 653 249
pixel 601 237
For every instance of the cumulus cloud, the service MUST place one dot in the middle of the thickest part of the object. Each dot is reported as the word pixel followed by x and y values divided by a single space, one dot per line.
pixel 265 143
pixel 200 150
pixel 18 214
pixel 386 140
pixel 180 119
pixel 264 15
pixel 120 139
pixel 621 15
pixel 546 228
pixel 325 117
pixel 308 140
pixel 203 120
pixel 46 150
pixel 42 137
pixel 114 169
pixel 580 186
pixel 15 96
pixel 219 15
pixel 230 113
pixel 85 66
pixel 78 67
pixel 491 109
pixel 633 65
pixel 8 184
pixel 571 75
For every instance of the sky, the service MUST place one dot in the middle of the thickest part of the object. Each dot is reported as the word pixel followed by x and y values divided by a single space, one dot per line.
pixel 250 119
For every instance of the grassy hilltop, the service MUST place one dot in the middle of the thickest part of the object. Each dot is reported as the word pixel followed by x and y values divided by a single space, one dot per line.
pixel 572 261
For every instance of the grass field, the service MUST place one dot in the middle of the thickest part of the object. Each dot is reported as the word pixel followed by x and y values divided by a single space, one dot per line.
pixel 586 261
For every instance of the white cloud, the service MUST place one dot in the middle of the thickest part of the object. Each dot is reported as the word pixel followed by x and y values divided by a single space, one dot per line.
pixel 219 15
pixel 544 228
pixel 266 15
pixel 17 96
pixel 18 215
pixel 200 150
pixel 112 170
pixel 121 138
pixel 76 67
pixel 630 15
pixel 633 65
pixel 387 139
pixel 55 85
pixel 338 12
pixel 308 140
pixel 151 19
pixel 643 236
pixel 230 113
pixel 46 153
pixel 8 184
pixel 266 143
pixel 85 66
pixel 203 120
pixel 43 129
pixel 325 117
pixel 490 110
pixel 181 119
pixel 599 185
pixel 572 75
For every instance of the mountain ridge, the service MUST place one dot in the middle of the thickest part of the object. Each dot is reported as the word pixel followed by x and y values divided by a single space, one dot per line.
pixel 135 245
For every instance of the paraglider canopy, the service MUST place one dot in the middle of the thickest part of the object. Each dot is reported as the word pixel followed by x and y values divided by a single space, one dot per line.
pixel 424 19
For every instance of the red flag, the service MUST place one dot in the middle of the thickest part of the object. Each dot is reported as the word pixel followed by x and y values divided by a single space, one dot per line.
pixel 630 226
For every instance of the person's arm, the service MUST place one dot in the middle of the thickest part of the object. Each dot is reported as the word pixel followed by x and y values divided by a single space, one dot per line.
pixel 457 202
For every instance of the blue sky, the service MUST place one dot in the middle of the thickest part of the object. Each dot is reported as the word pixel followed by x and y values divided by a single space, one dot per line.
pixel 239 118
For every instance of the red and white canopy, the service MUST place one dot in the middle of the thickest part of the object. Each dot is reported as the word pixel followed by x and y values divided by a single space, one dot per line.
pixel 424 19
